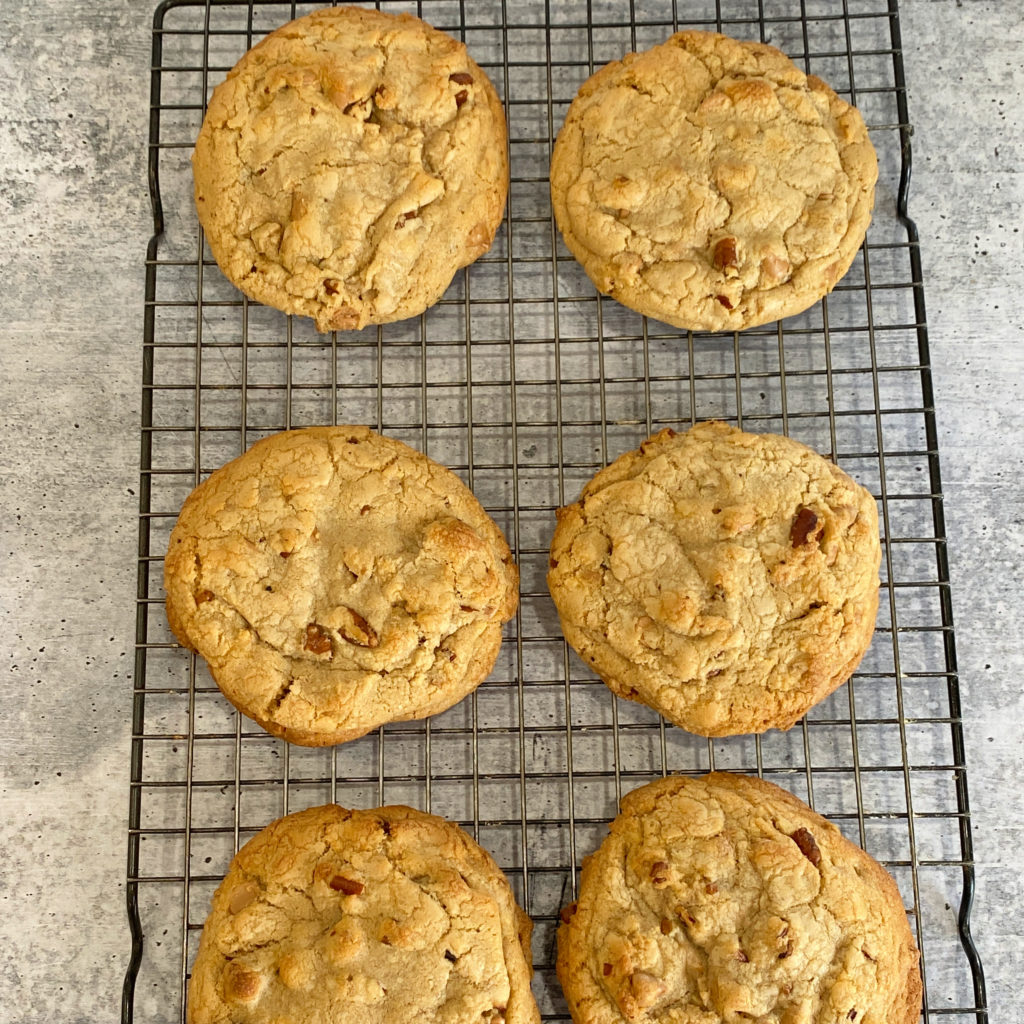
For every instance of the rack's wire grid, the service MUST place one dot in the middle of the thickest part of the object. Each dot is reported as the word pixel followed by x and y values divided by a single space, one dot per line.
pixel 525 382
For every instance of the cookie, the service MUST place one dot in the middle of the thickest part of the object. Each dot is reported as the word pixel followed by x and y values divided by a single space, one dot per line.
pixel 729 580
pixel 350 164
pixel 335 580
pixel 711 184
pixel 386 916
pixel 726 899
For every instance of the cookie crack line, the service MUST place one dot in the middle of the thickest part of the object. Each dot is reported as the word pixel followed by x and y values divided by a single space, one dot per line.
pixel 279 698
pixel 248 626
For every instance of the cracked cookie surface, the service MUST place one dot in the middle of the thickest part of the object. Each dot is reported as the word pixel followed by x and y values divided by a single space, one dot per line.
pixel 711 184
pixel 728 580
pixel 351 162
pixel 725 899
pixel 334 580
pixel 384 916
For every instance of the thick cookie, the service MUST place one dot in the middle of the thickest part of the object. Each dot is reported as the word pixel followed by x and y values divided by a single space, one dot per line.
pixel 349 165
pixel 729 580
pixel 335 580
pixel 388 916
pixel 726 899
pixel 712 184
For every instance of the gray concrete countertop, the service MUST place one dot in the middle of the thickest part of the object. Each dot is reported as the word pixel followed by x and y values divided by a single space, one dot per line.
pixel 74 222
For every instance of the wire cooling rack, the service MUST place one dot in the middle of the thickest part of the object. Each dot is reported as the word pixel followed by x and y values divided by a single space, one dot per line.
pixel 525 382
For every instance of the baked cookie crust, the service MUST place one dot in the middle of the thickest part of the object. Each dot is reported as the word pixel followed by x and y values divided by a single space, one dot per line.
pixel 726 899
pixel 728 580
pixel 334 580
pixel 387 916
pixel 711 184
pixel 351 162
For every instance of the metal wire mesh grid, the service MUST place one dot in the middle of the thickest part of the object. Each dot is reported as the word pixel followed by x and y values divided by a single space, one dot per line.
pixel 525 382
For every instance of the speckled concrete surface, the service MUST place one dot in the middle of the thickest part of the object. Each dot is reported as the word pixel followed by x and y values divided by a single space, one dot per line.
pixel 968 200
pixel 74 221
pixel 74 216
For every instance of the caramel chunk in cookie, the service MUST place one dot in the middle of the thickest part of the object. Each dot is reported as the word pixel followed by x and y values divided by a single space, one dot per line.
pixel 711 184
pixel 776 910
pixel 728 580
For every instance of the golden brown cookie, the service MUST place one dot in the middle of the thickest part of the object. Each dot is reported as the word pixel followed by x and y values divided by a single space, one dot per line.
pixel 729 580
pixel 725 899
pixel 387 916
pixel 711 184
pixel 335 580
pixel 351 162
